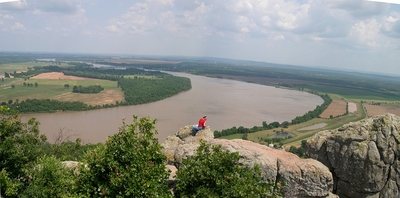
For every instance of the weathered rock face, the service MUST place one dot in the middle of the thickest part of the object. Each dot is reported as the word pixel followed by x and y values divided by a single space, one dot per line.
pixel 306 177
pixel 362 156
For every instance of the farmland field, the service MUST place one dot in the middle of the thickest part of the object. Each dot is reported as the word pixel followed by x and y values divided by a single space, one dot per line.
pixel 57 75
pixel 352 107
pixel 373 110
pixel 51 86
pixel 336 108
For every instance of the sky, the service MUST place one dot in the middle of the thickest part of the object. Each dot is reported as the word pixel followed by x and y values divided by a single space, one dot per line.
pixel 344 34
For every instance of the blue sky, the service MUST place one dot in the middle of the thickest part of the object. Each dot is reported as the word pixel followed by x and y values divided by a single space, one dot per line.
pixel 344 34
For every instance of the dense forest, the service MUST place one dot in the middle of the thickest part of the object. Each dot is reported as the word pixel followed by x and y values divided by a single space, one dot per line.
pixel 89 89
pixel 143 90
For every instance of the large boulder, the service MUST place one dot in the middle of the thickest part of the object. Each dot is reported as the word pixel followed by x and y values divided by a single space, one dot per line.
pixel 363 156
pixel 306 177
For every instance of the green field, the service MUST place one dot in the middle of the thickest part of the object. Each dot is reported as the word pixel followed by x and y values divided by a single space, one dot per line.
pixel 47 88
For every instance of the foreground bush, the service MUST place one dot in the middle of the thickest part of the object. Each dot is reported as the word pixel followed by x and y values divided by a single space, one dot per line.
pixel 48 177
pixel 129 164
pixel 19 147
pixel 216 173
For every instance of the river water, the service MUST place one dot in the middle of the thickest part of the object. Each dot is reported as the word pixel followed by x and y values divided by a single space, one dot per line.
pixel 226 103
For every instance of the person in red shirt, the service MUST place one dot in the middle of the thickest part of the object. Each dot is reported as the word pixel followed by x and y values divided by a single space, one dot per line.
pixel 200 126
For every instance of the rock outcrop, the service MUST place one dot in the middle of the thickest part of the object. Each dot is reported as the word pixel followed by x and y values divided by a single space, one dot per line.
pixel 306 177
pixel 362 156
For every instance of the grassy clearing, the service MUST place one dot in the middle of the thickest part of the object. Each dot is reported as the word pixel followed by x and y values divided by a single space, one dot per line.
pixel 234 136
pixel 54 89
pixel 8 82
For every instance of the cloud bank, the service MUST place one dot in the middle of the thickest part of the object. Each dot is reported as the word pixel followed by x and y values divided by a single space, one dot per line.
pixel 347 34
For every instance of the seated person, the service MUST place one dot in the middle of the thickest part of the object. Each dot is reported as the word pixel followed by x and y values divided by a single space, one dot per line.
pixel 200 126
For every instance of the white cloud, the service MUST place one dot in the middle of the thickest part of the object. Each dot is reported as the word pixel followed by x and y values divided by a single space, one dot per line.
pixel 57 6
pixel 14 6
pixel 113 28
pixel 18 27
pixel 312 19
pixel 279 37
pixel 242 6
pixel 386 1
pixel 6 1
pixel 8 16
pixel 161 2
pixel 167 19
pixel 391 25
pixel 360 8
pixel 198 13
pixel 367 32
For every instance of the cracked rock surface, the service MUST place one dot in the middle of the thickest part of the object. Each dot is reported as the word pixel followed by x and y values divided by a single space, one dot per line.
pixel 363 157
pixel 305 177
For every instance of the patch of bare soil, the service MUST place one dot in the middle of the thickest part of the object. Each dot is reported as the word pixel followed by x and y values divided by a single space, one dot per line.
pixel 336 108
pixel 104 97
pixel 373 110
pixel 57 75
pixel 352 107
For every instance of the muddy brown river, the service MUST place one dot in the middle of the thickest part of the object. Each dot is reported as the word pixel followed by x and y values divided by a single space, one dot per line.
pixel 227 103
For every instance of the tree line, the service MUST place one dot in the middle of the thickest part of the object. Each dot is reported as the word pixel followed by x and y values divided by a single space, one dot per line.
pixel 316 112
pixel 48 105
pixel 89 89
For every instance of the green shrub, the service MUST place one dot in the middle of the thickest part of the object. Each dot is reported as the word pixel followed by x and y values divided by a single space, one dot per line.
pixel 9 187
pixel 19 147
pixel 216 173
pixel 129 164
pixel 48 177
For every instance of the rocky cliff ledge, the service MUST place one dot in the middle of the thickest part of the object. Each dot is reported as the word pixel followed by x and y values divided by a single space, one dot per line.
pixel 306 177
pixel 362 156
